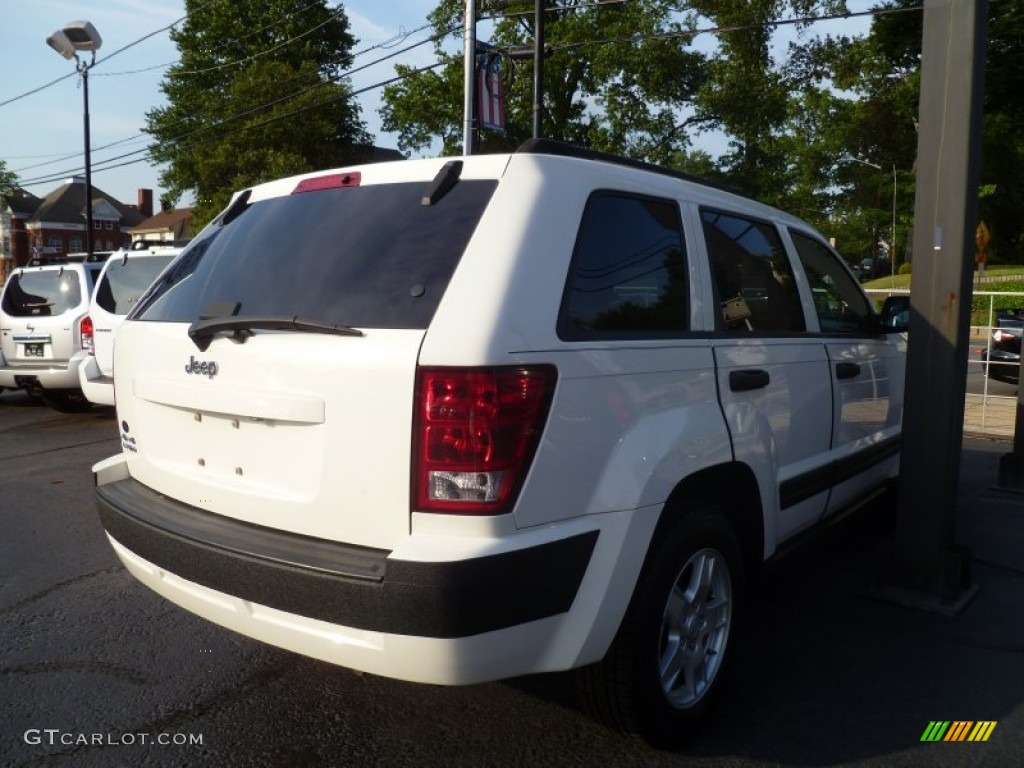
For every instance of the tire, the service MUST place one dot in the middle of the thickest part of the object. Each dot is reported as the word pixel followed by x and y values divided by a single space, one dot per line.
pixel 66 400
pixel 684 618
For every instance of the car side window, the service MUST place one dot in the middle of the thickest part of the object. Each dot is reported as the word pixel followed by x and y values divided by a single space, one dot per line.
pixel 753 277
pixel 628 275
pixel 839 302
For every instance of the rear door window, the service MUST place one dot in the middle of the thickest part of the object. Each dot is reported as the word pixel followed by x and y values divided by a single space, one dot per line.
pixel 370 256
pixel 753 277
pixel 126 279
pixel 42 294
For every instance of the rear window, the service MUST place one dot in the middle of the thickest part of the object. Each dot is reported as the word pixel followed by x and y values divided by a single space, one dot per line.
pixel 41 294
pixel 368 256
pixel 126 279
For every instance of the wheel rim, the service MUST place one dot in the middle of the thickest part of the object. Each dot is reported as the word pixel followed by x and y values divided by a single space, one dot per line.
pixel 695 628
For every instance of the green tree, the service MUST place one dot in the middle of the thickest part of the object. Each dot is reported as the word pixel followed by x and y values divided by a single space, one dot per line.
pixel 1002 153
pixel 750 94
pixel 8 179
pixel 882 71
pixel 879 75
pixel 618 78
pixel 259 93
pixel 743 94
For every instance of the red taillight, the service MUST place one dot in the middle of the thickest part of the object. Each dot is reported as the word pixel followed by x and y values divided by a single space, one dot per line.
pixel 86 335
pixel 475 433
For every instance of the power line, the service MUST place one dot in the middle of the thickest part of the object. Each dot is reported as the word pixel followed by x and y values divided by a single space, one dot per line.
pixel 638 38
pixel 338 12
pixel 103 60
pixel 38 89
pixel 396 39
pixel 329 81
pixel 104 163
pixel 96 63
pixel 737 27
pixel 296 94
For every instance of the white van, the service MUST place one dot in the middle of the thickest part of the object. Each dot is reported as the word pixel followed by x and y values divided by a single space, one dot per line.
pixel 457 420
pixel 125 276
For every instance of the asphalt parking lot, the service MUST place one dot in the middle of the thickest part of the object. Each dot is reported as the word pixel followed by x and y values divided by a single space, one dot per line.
pixel 95 669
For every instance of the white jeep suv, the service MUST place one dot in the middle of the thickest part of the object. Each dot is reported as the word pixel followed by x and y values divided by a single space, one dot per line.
pixel 45 330
pixel 125 277
pixel 457 420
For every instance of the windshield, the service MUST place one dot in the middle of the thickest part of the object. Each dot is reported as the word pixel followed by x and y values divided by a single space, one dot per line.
pixel 38 294
pixel 368 256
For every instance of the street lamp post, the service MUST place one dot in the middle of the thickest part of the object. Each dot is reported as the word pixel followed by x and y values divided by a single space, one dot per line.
pixel 892 242
pixel 73 37
pixel 892 256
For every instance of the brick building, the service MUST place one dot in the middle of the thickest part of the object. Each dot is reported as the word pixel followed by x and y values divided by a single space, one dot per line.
pixel 16 208
pixel 165 226
pixel 57 221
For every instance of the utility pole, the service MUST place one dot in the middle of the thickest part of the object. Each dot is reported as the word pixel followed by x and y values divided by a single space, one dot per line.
pixel 925 569
pixel 538 67
pixel 469 77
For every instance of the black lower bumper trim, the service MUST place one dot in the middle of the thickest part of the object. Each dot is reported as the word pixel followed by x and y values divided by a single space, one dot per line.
pixel 350 586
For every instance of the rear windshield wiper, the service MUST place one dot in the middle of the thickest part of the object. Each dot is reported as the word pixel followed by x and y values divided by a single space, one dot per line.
pixel 203 330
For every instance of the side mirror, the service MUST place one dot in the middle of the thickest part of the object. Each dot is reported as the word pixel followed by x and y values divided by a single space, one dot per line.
pixel 895 316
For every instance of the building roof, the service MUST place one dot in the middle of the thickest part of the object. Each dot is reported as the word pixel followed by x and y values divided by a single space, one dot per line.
pixel 383 155
pixel 67 204
pixel 21 202
pixel 176 222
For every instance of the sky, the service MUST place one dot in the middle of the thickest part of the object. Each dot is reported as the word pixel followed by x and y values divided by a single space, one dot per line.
pixel 41 125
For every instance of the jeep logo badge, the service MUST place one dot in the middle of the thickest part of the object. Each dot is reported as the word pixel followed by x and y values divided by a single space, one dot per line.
pixel 204 368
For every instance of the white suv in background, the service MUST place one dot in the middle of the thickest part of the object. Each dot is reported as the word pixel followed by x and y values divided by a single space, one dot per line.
pixel 457 420
pixel 125 276
pixel 44 329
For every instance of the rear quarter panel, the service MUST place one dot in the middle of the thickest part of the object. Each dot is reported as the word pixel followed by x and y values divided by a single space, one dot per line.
pixel 629 419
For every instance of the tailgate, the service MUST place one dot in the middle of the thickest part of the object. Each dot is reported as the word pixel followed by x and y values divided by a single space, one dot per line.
pixel 42 310
pixel 301 432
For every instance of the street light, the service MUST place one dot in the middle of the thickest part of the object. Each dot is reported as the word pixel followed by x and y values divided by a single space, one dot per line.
pixel 892 245
pixel 68 41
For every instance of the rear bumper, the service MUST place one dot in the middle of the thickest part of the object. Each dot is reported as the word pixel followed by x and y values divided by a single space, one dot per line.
pixel 48 375
pixel 352 586
pixel 533 603
pixel 97 387
pixel 1001 364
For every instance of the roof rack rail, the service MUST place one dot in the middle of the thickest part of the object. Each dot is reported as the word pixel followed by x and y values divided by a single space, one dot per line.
pixel 565 149
pixel 45 260
pixel 141 245
pixel 90 258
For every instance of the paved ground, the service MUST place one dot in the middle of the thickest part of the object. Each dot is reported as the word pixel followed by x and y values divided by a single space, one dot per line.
pixel 829 675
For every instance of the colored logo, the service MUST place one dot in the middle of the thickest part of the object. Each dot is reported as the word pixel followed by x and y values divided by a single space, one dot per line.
pixel 958 730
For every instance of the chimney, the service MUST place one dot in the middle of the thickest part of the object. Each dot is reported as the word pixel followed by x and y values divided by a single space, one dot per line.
pixel 146 202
